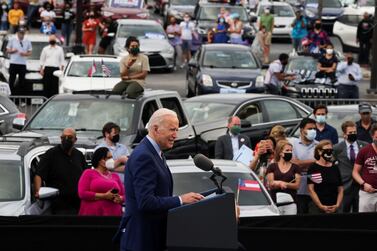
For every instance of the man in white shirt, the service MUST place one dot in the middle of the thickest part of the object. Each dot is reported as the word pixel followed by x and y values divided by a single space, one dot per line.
pixel 48 13
pixel 275 74
pixel 349 74
pixel 52 59
pixel 187 28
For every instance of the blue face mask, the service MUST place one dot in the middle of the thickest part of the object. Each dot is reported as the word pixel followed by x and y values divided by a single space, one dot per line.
pixel 311 134
pixel 320 119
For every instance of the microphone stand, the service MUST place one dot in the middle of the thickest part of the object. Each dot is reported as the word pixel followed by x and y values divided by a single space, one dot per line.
pixel 214 177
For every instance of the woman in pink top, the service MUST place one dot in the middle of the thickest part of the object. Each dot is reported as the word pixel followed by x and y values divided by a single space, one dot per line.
pixel 101 192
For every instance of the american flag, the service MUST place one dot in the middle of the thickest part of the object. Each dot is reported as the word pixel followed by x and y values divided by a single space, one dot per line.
pixel 316 177
pixel 248 185
pixel 92 69
pixel 105 70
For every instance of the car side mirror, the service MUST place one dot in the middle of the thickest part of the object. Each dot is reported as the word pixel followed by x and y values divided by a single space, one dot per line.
pixel 48 192
pixel 283 199
pixel 19 121
pixel 58 73
pixel 193 63
pixel 245 124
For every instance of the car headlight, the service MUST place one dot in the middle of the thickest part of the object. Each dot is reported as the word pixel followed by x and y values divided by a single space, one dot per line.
pixel 207 80
pixel 309 13
pixel 259 82
pixel 142 15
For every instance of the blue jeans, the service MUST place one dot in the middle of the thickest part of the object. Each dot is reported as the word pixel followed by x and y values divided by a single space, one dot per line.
pixel 66 32
pixel 31 10
pixel 296 43
pixel 4 26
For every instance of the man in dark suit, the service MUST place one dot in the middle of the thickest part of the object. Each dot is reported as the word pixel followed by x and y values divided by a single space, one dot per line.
pixel 228 144
pixel 345 153
pixel 149 187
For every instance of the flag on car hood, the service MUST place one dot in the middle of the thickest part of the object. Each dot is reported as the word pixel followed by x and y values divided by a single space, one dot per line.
pixel 249 185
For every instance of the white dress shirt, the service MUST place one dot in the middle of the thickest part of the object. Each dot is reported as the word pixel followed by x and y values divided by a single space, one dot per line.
pixel 355 148
pixel 235 143
pixel 52 56
pixel 344 69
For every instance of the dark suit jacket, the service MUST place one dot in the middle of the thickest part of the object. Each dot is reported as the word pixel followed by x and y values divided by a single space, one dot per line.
pixel 344 163
pixel 149 189
pixel 224 149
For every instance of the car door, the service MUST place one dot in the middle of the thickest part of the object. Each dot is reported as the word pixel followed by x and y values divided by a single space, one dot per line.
pixel 4 64
pixel 185 144
pixel 346 29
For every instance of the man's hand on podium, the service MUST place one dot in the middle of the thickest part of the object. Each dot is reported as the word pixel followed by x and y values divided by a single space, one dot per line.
pixel 190 198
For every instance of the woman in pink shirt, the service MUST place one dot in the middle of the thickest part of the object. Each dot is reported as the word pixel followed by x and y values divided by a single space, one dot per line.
pixel 101 192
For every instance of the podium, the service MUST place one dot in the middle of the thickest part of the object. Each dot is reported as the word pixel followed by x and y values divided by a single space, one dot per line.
pixel 209 224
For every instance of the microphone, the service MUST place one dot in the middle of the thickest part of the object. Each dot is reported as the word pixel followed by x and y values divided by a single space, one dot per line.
pixel 202 162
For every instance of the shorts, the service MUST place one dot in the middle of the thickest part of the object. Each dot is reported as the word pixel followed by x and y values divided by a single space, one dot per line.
pixel 186 45
pixel 268 38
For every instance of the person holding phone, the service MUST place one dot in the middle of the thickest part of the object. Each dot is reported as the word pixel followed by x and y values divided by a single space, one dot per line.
pixel 101 192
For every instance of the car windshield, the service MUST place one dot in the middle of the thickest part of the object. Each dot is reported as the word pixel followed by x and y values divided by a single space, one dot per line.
pixel 211 13
pixel 229 59
pixel 141 31
pixel 37 50
pixel 279 11
pixel 201 111
pixel 84 114
pixel 11 180
pixel 199 182
pixel 103 69
pixel 326 4
pixel 299 64
pixel 184 2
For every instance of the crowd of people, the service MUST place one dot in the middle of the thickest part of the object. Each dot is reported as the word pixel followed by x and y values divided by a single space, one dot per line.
pixel 321 173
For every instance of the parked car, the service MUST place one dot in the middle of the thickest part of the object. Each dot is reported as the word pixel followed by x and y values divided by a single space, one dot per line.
pixel 89 112
pixel 258 113
pixel 33 85
pixel 337 115
pixel 284 16
pixel 153 42
pixel 125 9
pixel 177 8
pixel 332 10
pixel 77 77
pixel 206 14
pixel 8 114
pixel 224 68
pixel 188 178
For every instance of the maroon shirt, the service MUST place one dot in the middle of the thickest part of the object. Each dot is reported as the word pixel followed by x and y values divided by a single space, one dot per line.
pixel 367 158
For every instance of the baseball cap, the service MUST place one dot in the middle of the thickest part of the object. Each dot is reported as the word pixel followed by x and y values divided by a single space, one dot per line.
pixel 365 107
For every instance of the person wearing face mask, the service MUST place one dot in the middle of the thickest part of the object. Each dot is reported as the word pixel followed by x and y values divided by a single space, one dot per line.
pixel 61 167
pixel 325 183
pixel 263 155
pixel 174 32
pixel 364 37
pixel 324 130
pixel 303 156
pixel 187 30
pixel 110 133
pixel 134 69
pixel 101 192
pixel 349 75
pixel 364 173
pixel 89 29
pixel 318 39
pixel 364 125
pixel 48 27
pixel 67 22
pixel 345 153
pixel 267 21
pixel 229 144
pixel 327 65
pixel 220 35
pixel 48 12
pixel 15 15
pixel 299 30
pixel 51 59
pixel 4 16
pixel 282 175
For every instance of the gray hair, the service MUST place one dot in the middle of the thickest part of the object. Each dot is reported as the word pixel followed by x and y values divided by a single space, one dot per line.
pixel 158 117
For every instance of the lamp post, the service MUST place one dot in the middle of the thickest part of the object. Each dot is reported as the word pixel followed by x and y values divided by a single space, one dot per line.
pixel 373 79
pixel 78 47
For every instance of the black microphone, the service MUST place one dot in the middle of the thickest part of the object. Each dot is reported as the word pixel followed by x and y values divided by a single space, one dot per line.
pixel 203 162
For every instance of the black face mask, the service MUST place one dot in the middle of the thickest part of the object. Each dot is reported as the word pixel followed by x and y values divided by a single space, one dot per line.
pixel 52 42
pixel 318 26
pixel 352 137
pixel 115 139
pixel 327 154
pixel 91 16
pixel 350 61
pixel 67 144
pixel 287 156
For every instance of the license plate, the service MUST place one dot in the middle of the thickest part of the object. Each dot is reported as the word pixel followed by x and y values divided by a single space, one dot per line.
pixel 36 101
pixel 37 87
pixel 232 90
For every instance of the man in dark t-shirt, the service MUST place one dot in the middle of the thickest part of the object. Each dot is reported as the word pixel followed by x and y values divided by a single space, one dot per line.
pixel 327 64
pixel 61 167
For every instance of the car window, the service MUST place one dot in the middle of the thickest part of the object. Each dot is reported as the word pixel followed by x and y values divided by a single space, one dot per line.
pixel 211 12
pixel 102 69
pixel 351 20
pixel 175 105
pixel 252 113
pixel 279 110
pixel 279 11
pixel 141 31
pixel 199 182
pixel 326 3
pixel 11 180
pixel 207 112
pixel 298 64
pixel 229 59
pixel 83 114
pixel 148 109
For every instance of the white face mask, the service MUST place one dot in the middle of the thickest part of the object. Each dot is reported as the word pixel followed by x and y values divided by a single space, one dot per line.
pixel 267 11
pixel 329 51
pixel 110 164
pixel 186 19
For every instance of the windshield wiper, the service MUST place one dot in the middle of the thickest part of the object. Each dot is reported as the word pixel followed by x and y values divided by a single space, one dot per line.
pixel 210 66
pixel 85 130
pixel 75 75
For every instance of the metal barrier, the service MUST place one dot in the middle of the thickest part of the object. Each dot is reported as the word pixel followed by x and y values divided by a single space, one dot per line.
pixel 28 104
pixel 313 102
